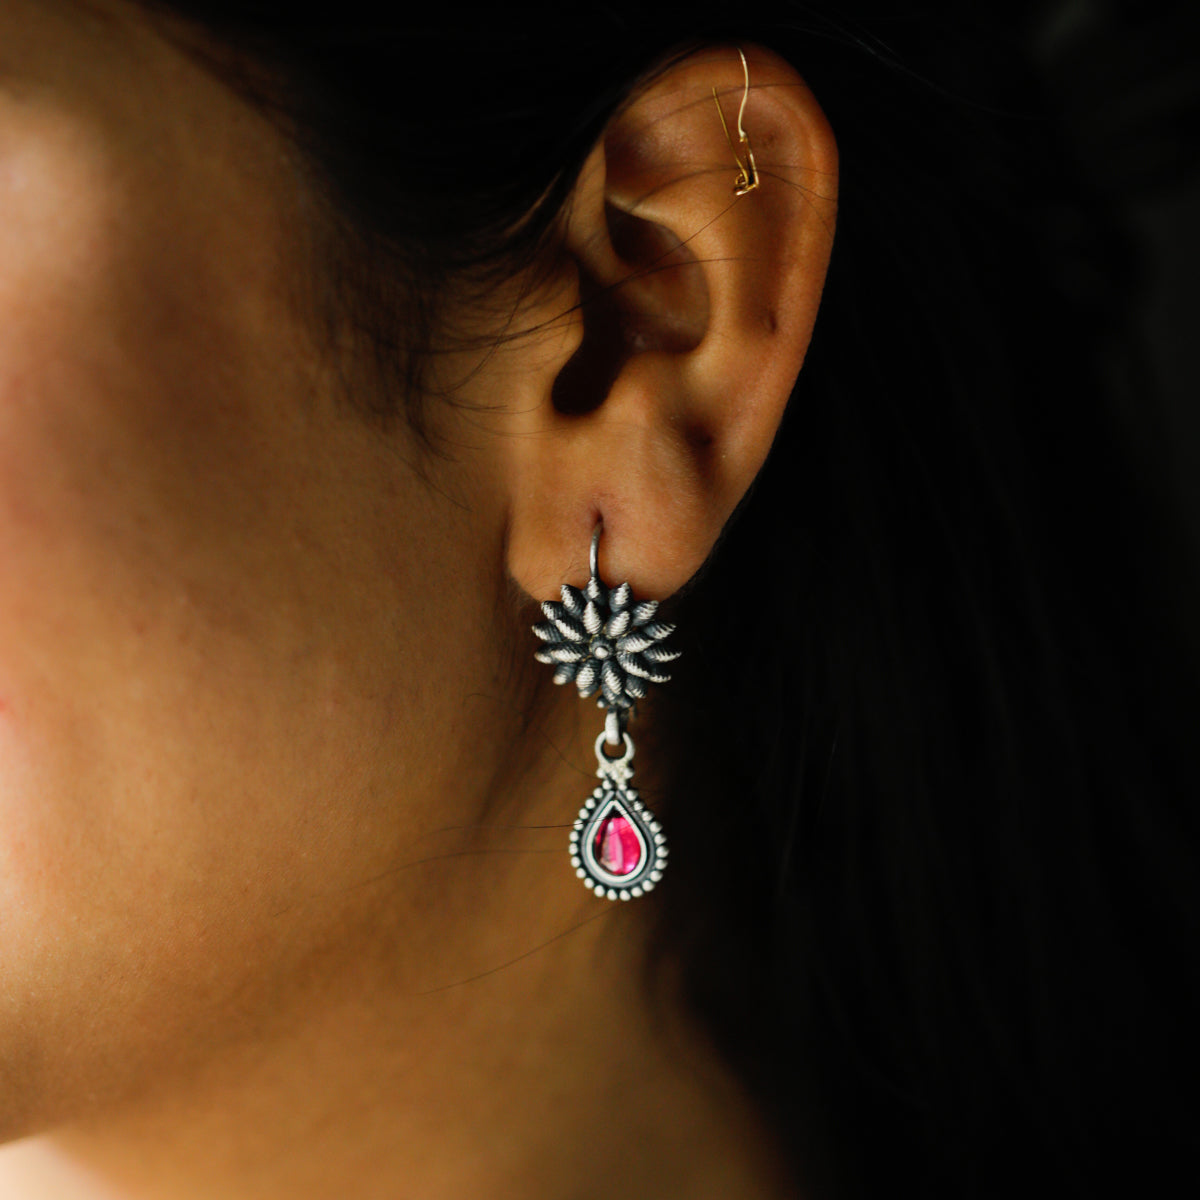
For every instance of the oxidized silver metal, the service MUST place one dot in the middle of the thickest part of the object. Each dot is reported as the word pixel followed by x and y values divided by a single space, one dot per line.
pixel 601 640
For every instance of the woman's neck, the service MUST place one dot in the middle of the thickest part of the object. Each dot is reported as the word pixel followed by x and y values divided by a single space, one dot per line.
pixel 500 1044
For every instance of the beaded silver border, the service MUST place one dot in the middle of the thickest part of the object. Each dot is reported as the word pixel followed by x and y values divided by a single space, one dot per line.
pixel 649 833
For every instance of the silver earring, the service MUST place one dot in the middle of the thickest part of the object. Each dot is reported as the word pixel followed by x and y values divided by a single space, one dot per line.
pixel 600 640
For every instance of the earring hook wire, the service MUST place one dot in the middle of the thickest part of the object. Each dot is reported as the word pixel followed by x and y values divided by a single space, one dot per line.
pixel 594 553
pixel 747 176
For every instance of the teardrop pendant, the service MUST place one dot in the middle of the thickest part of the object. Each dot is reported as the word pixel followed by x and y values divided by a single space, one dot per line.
pixel 618 849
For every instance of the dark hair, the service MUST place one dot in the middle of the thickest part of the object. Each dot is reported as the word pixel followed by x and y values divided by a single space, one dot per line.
pixel 934 883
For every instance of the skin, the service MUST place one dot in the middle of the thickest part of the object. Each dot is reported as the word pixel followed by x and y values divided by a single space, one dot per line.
pixel 284 901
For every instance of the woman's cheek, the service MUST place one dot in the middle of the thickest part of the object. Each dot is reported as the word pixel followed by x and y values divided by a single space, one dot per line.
pixel 113 670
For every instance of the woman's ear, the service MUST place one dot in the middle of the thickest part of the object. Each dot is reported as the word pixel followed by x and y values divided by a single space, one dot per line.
pixel 695 310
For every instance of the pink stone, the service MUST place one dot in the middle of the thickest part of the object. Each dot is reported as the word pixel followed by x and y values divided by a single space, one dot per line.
pixel 616 846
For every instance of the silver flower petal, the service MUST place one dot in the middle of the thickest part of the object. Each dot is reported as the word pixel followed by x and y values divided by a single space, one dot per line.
pixel 564 654
pixel 571 629
pixel 573 600
pixel 633 642
pixel 658 630
pixel 644 611
pixel 660 654
pixel 617 624
pixel 565 672
pixel 611 680
pixel 634 686
pixel 620 597
pixel 594 590
pixel 591 618
pixel 635 666
pixel 544 656
pixel 547 632
pixel 588 679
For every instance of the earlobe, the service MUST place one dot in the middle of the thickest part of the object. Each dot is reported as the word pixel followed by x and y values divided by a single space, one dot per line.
pixel 697 305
